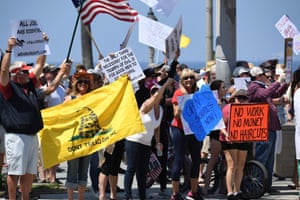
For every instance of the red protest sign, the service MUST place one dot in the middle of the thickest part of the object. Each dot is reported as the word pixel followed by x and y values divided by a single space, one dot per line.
pixel 248 122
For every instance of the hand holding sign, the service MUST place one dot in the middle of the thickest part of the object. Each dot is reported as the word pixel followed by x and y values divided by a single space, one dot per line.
pixel 29 38
pixel 120 63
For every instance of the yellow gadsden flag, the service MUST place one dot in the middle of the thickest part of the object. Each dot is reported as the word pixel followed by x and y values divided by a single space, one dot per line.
pixel 89 123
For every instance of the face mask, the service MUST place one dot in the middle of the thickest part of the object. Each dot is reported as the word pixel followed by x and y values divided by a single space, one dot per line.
pixel 150 83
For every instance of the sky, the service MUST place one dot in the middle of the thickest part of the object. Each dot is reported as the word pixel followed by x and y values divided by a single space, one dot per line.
pixel 257 38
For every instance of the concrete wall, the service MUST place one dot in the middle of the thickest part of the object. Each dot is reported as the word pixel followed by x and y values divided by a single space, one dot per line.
pixel 285 161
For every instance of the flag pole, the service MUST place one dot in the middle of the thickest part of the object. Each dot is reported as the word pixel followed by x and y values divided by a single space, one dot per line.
pixel 73 34
pixel 100 56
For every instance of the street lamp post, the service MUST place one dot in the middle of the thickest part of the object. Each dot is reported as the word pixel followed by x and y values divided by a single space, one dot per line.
pixel 225 38
pixel 209 31
pixel 86 46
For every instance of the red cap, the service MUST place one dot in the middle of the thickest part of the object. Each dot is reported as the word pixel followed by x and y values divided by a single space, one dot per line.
pixel 15 68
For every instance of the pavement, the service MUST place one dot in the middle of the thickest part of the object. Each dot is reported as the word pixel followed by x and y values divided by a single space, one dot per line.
pixel 286 193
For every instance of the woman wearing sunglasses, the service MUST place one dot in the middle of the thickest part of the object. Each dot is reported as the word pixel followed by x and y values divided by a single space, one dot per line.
pixel 77 169
pixel 81 84
pixel 181 142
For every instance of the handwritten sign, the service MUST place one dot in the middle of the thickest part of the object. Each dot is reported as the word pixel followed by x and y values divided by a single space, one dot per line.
pixel 248 122
pixel 286 28
pixel 153 33
pixel 29 38
pixel 207 108
pixel 123 62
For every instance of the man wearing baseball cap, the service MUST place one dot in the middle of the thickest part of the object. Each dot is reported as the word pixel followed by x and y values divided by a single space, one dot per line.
pixel 21 118
pixel 260 92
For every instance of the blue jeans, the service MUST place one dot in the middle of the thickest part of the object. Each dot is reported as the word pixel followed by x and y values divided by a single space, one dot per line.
pixel 77 171
pixel 264 153
pixel 137 157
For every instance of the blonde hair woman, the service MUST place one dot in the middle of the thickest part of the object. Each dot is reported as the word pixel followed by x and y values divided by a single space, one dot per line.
pixel 182 142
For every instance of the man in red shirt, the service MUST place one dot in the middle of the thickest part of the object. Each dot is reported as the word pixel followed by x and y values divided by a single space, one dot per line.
pixel 21 118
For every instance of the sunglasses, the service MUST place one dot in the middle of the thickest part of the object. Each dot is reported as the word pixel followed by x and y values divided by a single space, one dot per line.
pixel 268 76
pixel 22 72
pixel 83 82
pixel 188 77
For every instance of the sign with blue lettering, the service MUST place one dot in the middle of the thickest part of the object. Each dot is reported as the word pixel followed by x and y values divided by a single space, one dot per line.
pixel 202 113
pixel 207 108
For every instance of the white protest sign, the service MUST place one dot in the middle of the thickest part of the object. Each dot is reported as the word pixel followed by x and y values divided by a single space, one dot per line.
pixel 123 62
pixel 163 6
pixel 241 83
pixel 150 3
pixel 181 101
pixel 173 40
pixel 153 33
pixel 286 28
pixel 29 38
pixel 166 6
pixel 296 44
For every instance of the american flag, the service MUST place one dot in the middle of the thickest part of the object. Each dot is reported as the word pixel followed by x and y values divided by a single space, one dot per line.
pixel 119 9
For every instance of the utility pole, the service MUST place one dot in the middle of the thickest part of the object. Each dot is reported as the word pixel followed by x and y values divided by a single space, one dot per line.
pixel 225 39
pixel 151 49
pixel 86 46
pixel 209 31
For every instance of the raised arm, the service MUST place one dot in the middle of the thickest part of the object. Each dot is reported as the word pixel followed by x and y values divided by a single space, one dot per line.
pixel 64 69
pixel 174 64
pixel 155 98
pixel 4 75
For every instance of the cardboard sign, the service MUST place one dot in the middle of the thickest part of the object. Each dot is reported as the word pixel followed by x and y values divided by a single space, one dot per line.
pixel 181 103
pixel 153 33
pixel 161 36
pixel 248 122
pixel 286 27
pixel 241 83
pixel 123 62
pixel 29 38
pixel 207 108
pixel 296 44
pixel 173 40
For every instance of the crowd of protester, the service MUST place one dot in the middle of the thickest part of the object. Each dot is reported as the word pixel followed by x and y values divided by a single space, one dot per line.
pixel 41 86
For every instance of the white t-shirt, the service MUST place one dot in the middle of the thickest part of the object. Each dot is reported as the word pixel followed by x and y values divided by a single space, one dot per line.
pixel 56 97
pixel 150 124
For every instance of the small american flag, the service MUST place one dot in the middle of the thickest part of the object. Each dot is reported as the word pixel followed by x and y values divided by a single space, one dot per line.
pixel 119 9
